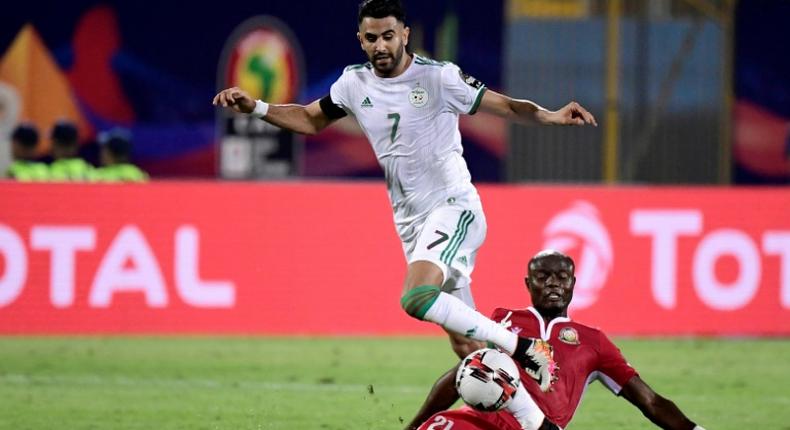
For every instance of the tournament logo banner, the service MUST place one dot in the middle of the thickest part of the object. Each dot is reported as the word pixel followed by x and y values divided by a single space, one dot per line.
pixel 263 58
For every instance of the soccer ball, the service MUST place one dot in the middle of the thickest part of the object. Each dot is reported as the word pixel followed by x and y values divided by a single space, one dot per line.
pixel 487 379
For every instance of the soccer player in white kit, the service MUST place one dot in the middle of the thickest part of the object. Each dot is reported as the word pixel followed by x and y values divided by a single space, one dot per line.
pixel 408 108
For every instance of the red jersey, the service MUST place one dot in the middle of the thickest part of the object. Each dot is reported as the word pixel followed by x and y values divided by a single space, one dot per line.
pixel 467 418
pixel 584 354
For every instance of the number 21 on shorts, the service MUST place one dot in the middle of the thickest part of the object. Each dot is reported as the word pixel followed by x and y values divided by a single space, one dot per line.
pixel 441 423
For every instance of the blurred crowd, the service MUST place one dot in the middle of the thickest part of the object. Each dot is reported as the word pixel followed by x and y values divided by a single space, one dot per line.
pixel 65 163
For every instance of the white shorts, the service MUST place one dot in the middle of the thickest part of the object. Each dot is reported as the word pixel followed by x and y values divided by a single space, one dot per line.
pixel 449 238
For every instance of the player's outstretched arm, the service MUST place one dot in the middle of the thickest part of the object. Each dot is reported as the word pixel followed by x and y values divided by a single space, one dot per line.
pixel 661 411
pixel 308 119
pixel 442 396
pixel 528 112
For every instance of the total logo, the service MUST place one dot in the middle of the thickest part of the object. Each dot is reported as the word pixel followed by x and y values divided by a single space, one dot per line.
pixel 579 232
pixel 129 264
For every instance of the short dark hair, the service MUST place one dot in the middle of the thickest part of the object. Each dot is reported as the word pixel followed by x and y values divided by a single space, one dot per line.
pixel 381 9
pixel 26 135
pixel 118 141
pixel 546 253
pixel 64 133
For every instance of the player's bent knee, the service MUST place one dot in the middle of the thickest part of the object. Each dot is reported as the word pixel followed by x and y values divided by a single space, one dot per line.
pixel 466 348
pixel 418 300
pixel 463 346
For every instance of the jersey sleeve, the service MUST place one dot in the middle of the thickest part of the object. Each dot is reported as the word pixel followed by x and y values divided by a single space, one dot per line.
pixel 613 368
pixel 339 93
pixel 499 314
pixel 462 93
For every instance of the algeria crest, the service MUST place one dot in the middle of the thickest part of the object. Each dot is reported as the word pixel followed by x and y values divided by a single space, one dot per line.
pixel 418 97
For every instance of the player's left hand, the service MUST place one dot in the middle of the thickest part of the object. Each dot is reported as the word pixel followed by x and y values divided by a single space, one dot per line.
pixel 572 114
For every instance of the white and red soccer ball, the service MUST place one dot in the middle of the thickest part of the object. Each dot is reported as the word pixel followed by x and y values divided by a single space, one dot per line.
pixel 487 379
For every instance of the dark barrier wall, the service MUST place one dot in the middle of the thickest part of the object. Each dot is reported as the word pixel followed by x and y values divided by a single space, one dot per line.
pixel 323 258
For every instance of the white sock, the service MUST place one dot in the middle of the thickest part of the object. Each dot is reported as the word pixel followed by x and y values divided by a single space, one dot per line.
pixel 526 411
pixel 451 313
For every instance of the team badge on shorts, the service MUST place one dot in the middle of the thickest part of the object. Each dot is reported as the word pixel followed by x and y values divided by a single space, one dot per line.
pixel 569 335
pixel 418 97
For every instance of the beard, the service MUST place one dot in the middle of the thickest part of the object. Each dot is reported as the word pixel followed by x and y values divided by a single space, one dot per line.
pixel 386 68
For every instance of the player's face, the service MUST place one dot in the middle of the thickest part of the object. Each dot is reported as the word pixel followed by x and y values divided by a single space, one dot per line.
pixel 18 151
pixel 550 283
pixel 106 157
pixel 384 41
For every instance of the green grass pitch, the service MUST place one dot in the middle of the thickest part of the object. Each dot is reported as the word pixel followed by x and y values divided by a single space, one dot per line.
pixel 345 383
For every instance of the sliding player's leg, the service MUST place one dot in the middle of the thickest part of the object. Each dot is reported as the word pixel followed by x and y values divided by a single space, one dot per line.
pixel 462 345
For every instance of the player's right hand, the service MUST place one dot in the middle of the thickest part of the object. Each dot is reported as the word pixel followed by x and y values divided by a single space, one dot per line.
pixel 236 99
pixel 572 114
pixel 536 356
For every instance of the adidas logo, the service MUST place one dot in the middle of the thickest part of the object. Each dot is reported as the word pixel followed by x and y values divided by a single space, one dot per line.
pixel 366 103
pixel 462 260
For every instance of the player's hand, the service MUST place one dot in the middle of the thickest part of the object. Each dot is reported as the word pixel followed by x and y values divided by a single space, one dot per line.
pixel 572 114
pixel 536 356
pixel 236 99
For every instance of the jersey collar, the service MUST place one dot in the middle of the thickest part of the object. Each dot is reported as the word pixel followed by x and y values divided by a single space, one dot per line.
pixel 545 331
pixel 406 75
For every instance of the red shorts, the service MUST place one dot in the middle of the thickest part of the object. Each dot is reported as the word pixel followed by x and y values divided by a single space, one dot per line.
pixel 469 419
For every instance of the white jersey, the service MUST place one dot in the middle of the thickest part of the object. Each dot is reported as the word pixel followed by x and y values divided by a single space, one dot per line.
pixel 412 123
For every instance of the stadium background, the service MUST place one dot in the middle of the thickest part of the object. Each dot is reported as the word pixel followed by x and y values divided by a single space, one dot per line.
pixel 683 68
pixel 689 236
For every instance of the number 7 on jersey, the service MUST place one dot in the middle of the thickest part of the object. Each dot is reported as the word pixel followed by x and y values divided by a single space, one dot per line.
pixel 396 118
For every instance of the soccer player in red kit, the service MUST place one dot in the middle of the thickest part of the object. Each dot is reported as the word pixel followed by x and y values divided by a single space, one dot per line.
pixel 584 354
